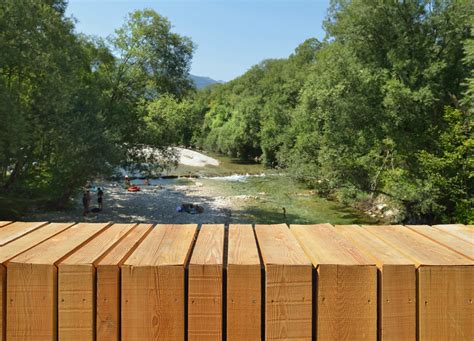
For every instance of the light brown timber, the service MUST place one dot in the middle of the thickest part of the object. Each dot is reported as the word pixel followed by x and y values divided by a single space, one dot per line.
pixel 347 284
pixel 15 248
pixel 288 284
pixel 77 284
pixel 465 232
pixel 397 284
pixel 243 285
pixel 108 284
pixel 153 283
pixel 205 285
pixel 445 284
pixel 32 283
pixel 15 230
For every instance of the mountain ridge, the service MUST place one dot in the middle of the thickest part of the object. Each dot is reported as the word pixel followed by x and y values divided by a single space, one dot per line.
pixel 201 82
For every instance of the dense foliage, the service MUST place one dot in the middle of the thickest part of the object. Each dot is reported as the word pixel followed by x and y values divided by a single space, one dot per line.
pixel 381 108
pixel 74 107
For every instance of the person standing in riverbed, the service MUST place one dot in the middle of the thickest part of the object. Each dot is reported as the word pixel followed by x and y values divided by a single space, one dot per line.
pixel 100 198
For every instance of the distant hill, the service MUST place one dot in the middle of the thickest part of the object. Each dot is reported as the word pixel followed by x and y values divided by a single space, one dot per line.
pixel 201 82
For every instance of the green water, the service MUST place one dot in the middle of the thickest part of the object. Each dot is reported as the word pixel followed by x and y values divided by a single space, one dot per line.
pixel 267 196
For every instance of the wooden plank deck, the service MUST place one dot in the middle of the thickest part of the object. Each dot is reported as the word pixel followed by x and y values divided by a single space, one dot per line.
pixel 288 284
pixel 396 287
pixel 110 281
pixel 243 285
pixel 153 285
pixel 15 248
pixel 14 231
pixel 205 285
pixel 465 232
pixel 445 284
pixel 108 284
pixel 32 284
pixel 77 285
pixel 458 245
pixel 347 284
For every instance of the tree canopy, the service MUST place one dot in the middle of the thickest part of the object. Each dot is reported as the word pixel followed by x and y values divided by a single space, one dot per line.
pixel 381 107
pixel 74 107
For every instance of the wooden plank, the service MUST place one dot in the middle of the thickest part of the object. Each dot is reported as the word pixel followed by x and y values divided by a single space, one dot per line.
pixel 445 284
pixel 445 302
pixel 347 284
pixel 205 285
pixel 397 284
pixel 153 285
pixel 243 285
pixel 288 284
pixel 32 283
pixel 76 285
pixel 453 243
pixel 108 284
pixel 461 231
pixel 16 230
pixel 15 248
pixel 3 223
pixel 420 249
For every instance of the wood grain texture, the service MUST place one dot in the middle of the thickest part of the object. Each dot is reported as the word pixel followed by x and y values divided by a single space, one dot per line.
pixel 153 282
pixel 108 284
pixel 32 283
pixel 397 284
pixel 397 302
pixel 243 285
pixel 464 232
pixel 324 245
pixel 205 285
pixel 34 238
pixel 347 284
pixel 443 282
pixel 15 248
pixel 288 284
pixel 77 285
pixel 31 302
pixel 381 252
pixel 347 302
pixel 420 249
pixel 453 243
pixel 446 309
pixel 280 246
pixel 16 230
pixel 3 223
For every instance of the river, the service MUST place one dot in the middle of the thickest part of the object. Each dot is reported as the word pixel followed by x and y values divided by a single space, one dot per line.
pixel 232 192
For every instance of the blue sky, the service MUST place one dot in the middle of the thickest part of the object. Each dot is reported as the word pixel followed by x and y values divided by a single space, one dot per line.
pixel 231 35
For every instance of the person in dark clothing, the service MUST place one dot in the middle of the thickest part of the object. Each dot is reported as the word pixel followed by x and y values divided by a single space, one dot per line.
pixel 100 198
pixel 85 204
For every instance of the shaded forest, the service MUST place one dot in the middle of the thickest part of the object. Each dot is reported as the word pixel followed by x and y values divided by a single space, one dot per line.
pixel 379 111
